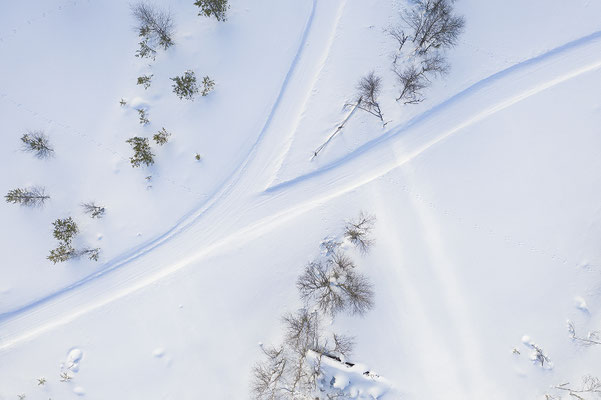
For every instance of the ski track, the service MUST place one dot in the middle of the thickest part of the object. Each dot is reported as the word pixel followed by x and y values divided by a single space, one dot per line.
pixel 377 157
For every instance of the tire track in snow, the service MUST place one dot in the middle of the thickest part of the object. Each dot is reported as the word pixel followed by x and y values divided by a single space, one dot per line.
pixel 396 147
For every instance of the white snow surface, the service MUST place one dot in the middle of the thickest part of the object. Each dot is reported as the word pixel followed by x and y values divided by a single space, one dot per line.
pixel 487 197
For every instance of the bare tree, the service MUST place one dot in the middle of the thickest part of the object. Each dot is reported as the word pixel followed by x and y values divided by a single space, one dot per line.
pixel 359 230
pixel 590 385
pixel 399 35
pixel 155 28
pixel 93 210
pixel 343 345
pixel 269 376
pixel 430 27
pixel 434 64
pixel 288 372
pixel 538 356
pixel 314 286
pixel 434 25
pixel 412 82
pixel 38 143
pixel 592 338
pixel 302 330
pixel 368 90
pixel 92 253
pixel 27 197
pixel 358 291
pixel 334 286
pixel 292 370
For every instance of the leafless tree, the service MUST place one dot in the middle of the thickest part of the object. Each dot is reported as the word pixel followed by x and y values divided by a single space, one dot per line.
pixel 95 211
pixel 27 197
pixel 329 246
pixel 269 375
pixel 341 261
pixel 434 64
pixel 334 286
pixel 538 356
pixel 591 339
pixel 301 330
pixel 359 230
pixel 292 371
pixel 343 345
pixel 399 35
pixel 315 285
pixel 368 90
pixel 287 372
pixel 434 25
pixel 430 27
pixel 155 27
pixel 92 253
pixel 412 81
pixel 358 291
pixel 591 385
pixel 38 143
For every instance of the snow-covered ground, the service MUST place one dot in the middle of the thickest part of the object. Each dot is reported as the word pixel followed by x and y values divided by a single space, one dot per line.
pixel 487 197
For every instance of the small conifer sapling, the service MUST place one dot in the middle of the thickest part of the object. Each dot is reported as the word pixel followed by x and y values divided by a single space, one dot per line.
pixel 142 152
pixel 185 86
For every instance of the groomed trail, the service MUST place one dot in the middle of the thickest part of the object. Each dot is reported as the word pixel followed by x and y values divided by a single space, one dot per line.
pixel 248 205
